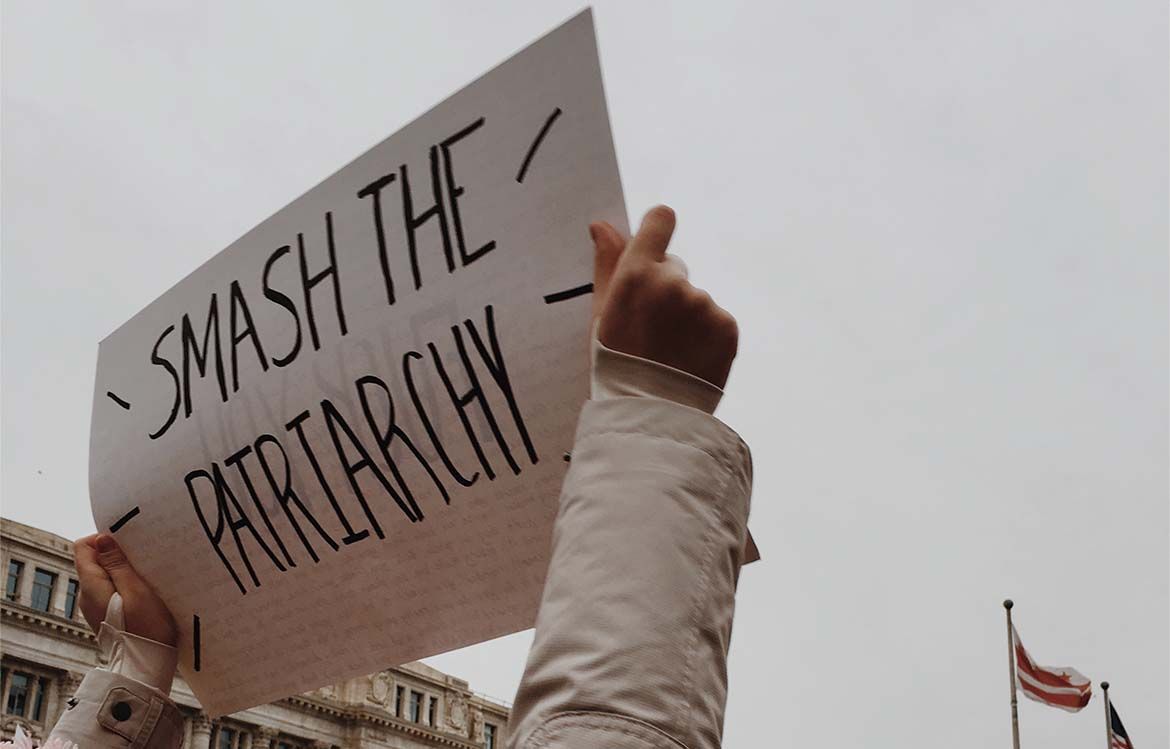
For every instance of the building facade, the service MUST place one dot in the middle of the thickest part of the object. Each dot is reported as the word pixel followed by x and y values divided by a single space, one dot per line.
pixel 46 648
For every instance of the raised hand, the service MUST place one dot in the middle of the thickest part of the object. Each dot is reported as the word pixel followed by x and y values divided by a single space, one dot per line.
pixel 103 570
pixel 648 308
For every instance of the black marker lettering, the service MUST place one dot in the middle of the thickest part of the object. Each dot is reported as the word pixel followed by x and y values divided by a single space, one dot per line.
pixel 241 522
pixel 333 420
pixel 454 190
pixel 239 304
pixel 494 362
pixel 285 494
pixel 352 536
pixel 191 348
pixel 413 222
pixel 170 368
pixel 384 437
pixel 217 535
pixel 308 282
pixel 374 190
pixel 461 402
pixel 426 422
pixel 280 298
pixel 237 460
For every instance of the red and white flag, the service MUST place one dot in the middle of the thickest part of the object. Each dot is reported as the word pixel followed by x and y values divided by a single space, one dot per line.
pixel 1058 686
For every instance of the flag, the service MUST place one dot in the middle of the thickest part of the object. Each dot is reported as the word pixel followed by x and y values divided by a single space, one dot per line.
pixel 1058 686
pixel 1120 737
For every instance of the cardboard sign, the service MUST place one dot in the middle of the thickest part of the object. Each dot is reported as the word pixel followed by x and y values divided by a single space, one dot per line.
pixel 337 446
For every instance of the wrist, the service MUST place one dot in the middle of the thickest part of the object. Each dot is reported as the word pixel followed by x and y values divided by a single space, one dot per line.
pixel 618 374
pixel 136 657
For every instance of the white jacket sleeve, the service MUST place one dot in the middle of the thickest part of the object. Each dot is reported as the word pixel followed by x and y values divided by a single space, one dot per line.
pixel 634 625
pixel 125 705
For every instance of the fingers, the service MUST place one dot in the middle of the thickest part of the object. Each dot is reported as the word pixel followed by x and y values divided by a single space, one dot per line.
pixel 654 235
pixel 103 569
pixel 116 565
pixel 608 245
pixel 96 586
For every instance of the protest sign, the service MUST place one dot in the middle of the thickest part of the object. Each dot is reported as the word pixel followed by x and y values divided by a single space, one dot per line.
pixel 337 445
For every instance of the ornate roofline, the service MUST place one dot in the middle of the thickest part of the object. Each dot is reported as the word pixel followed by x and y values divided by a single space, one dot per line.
pixel 33 619
pixel 360 715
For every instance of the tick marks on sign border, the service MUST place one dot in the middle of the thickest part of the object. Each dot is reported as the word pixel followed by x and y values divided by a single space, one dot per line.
pixel 195 644
pixel 118 400
pixel 117 526
pixel 573 293
pixel 536 143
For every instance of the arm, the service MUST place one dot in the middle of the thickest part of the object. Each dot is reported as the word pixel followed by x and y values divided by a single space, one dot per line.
pixel 635 621
pixel 125 705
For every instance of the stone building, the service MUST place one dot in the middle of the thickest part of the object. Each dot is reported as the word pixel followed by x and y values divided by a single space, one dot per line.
pixel 46 648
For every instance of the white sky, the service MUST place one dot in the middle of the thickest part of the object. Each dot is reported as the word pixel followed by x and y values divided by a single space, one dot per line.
pixel 942 225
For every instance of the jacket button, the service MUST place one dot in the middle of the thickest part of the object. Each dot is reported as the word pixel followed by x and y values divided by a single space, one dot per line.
pixel 121 711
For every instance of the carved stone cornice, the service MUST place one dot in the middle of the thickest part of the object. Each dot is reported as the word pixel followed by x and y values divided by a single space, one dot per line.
pixel 17 615
pixel 359 716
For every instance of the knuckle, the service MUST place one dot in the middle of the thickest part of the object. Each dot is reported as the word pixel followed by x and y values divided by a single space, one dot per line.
pixel 638 277
pixel 113 560
pixel 677 292
pixel 725 328
pixel 700 299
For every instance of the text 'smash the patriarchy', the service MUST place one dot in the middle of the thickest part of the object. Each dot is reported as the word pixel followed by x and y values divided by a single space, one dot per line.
pixel 336 446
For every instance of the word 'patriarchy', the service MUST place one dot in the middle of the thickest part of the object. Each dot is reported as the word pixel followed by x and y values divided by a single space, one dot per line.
pixel 377 449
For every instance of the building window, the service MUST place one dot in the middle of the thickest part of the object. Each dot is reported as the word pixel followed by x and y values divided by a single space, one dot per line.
pixel 71 599
pixel 42 590
pixel 12 589
pixel 284 745
pixel 415 706
pixel 398 693
pixel 18 694
pixel 39 702
pixel 225 738
pixel 431 711
pixel 489 736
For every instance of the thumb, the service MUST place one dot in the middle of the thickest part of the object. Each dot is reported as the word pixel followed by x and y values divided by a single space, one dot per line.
pixel 96 586
pixel 608 245
pixel 113 560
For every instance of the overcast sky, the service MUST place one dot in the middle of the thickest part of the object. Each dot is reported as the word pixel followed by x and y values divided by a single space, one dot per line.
pixel 942 225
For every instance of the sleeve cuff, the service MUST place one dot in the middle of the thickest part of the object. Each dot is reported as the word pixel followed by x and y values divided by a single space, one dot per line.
pixel 147 661
pixel 617 374
pixel 138 658
pixel 112 710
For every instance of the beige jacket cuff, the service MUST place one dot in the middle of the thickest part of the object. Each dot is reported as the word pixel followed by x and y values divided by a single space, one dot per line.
pixel 617 374
pixel 635 621
pixel 112 711
pixel 125 705
pixel 139 658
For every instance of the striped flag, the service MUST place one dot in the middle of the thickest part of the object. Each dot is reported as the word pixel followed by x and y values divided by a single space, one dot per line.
pixel 1120 737
pixel 1058 686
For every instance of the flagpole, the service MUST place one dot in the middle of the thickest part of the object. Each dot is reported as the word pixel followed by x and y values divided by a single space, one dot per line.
pixel 1108 717
pixel 1007 605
